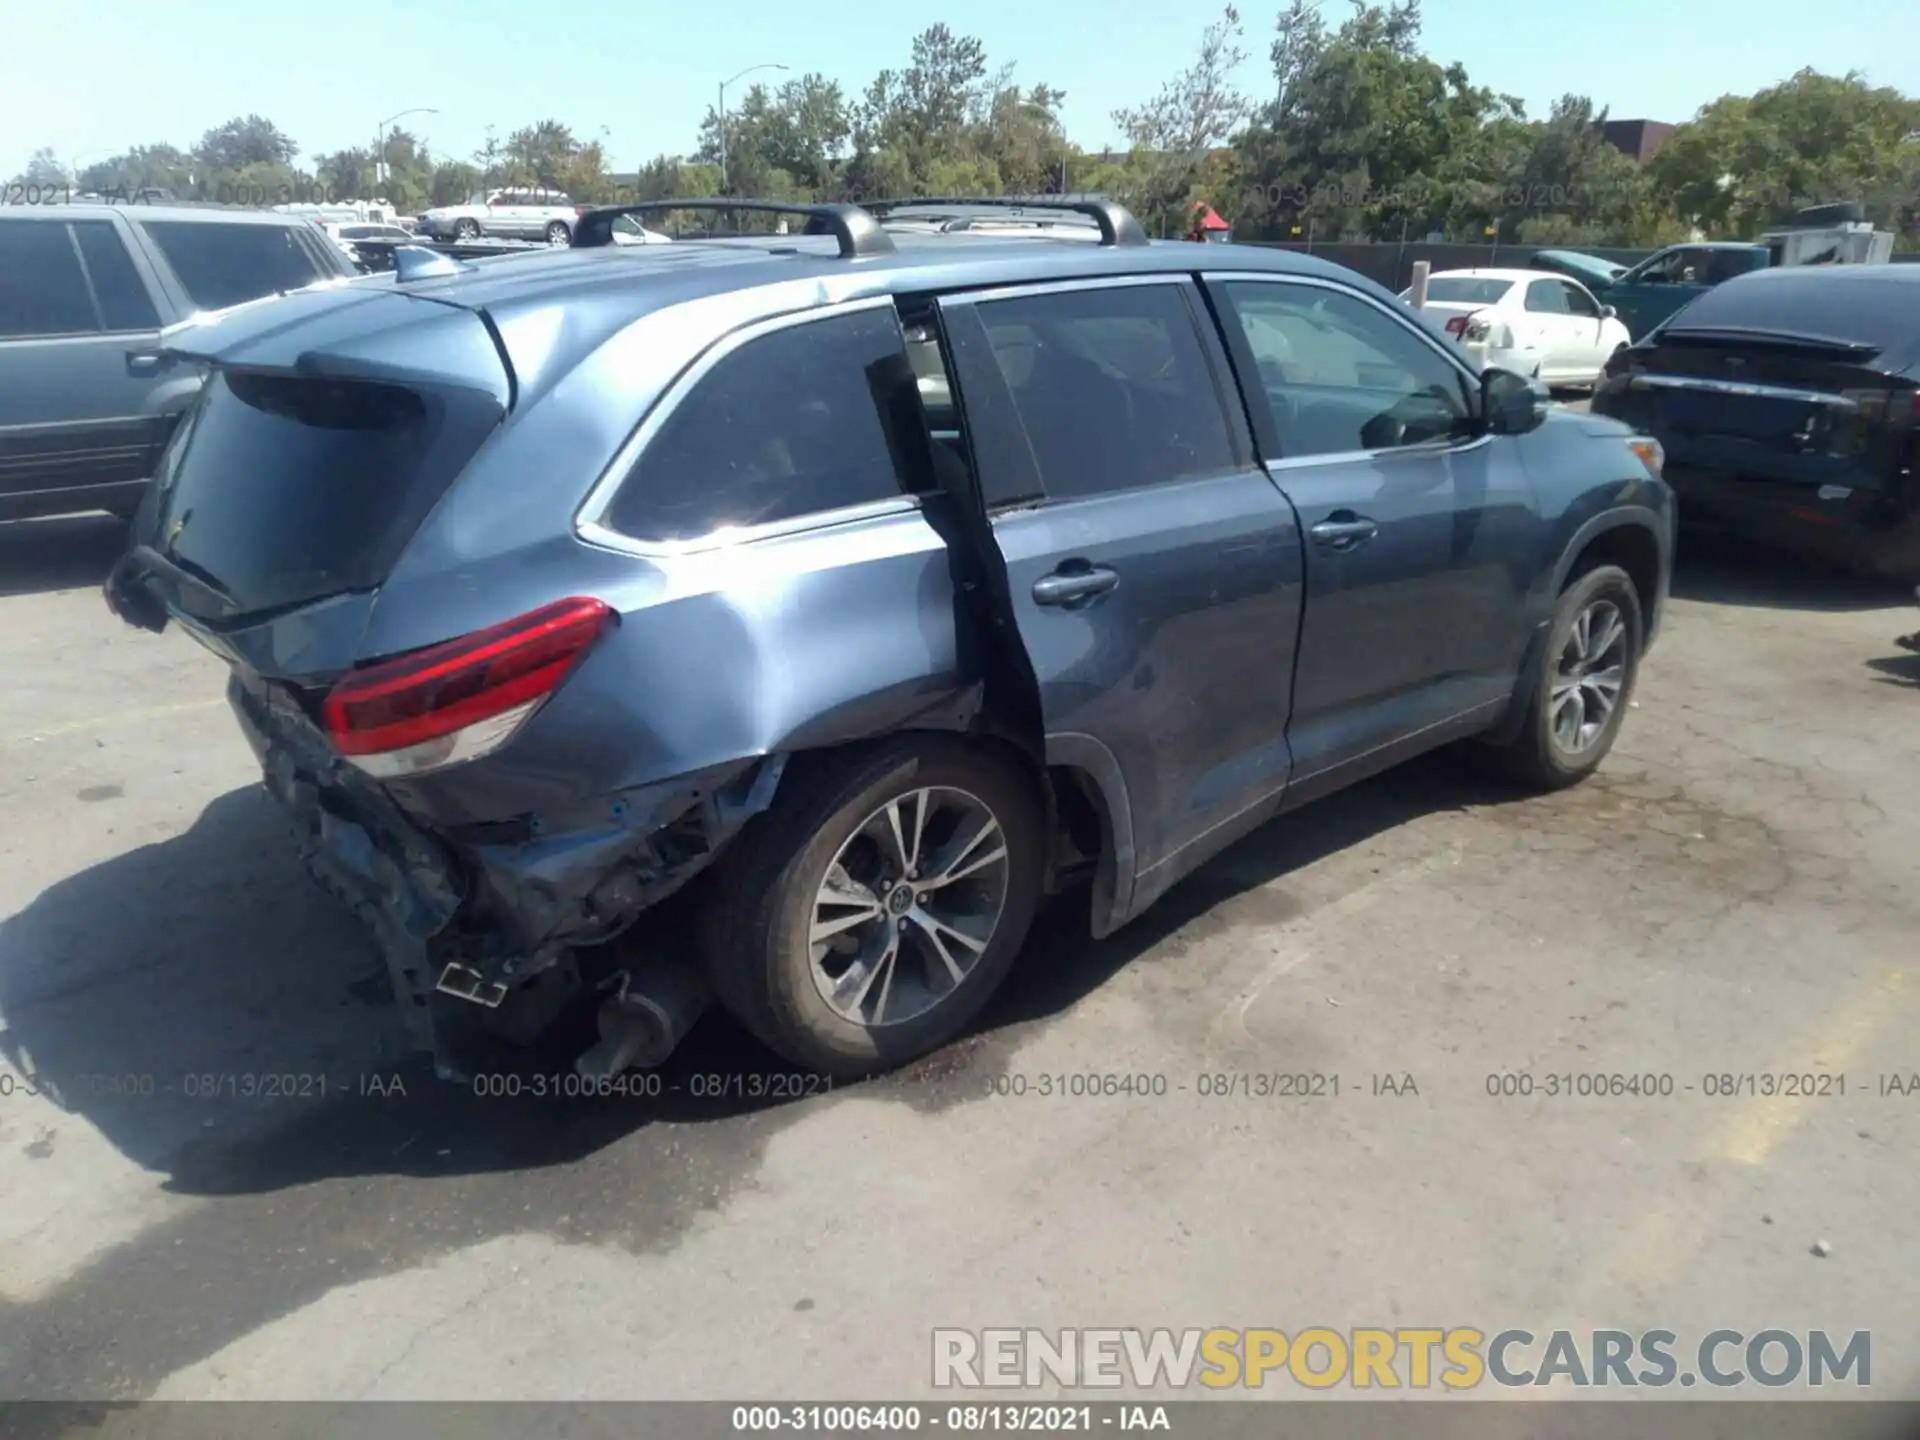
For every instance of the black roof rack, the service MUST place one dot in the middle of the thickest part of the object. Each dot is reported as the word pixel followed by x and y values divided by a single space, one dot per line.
pixel 857 231
pixel 1116 222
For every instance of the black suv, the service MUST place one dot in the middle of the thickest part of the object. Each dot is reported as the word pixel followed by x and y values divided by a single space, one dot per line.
pixel 85 401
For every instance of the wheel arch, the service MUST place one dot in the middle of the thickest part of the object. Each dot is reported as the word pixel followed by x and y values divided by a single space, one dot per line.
pixel 1627 536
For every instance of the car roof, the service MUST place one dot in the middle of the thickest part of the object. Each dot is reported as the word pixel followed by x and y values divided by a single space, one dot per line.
pixel 208 214
pixel 638 279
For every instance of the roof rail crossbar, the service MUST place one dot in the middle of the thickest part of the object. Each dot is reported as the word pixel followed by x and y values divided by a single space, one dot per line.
pixel 858 232
pixel 1116 222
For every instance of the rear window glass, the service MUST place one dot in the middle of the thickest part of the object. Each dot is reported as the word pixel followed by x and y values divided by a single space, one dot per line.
pixel 42 288
pixel 230 264
pixel 289 489
pixel 1466 290
pixel 788 425
pixel 1881 310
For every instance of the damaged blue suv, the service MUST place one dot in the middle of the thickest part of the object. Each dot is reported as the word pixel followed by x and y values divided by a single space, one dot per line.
pixel 856 589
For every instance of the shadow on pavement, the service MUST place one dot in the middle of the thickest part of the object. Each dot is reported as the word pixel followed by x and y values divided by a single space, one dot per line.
pixel 1722 569
pixel 1898 670
pixel 165 990
pixel 67 553
pixel 212 955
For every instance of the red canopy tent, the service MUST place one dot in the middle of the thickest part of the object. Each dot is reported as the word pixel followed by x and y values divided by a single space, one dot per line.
pixel 1209 227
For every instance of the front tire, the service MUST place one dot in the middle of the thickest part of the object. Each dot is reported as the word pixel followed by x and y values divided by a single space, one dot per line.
pixel 868 915
pixel 466 230
pixel 1583 685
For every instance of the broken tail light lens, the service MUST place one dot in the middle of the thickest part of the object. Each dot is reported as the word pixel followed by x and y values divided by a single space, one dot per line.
pixel 1457 326
pixel 462 699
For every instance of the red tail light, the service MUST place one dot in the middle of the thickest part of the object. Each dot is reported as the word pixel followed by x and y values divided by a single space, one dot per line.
pixel 461 699
pixel 1457 326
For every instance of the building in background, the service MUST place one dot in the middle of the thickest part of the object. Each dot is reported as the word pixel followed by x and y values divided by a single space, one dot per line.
pixel 1637 139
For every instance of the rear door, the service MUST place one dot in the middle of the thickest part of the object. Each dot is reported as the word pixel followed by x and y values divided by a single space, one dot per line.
pixel 1154 568
pixel 1547 328
pixel 80 380
pixel 1420 529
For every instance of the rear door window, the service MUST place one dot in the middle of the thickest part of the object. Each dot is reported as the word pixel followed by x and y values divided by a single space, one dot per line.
pixel 1547 297
pixel 790 424
pixel 222 264
pixel 43 290
pixel 1112 387
pixel 124 301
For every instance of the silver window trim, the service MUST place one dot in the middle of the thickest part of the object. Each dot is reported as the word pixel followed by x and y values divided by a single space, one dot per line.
pixel 590 519
pixel 1065 287
pixel 1338 457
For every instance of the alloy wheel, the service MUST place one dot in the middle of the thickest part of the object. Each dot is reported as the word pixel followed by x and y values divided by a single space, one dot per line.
pixel 1588 677
pixel 908 906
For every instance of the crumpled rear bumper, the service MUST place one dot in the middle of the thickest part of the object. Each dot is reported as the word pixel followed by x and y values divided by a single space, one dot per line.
pixel 484 933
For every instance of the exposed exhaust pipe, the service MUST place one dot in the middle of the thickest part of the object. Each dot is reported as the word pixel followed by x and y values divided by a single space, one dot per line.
pixel 646 1018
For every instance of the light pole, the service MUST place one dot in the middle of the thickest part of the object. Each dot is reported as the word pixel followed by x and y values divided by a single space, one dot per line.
pixel 380 139
pixel 723 114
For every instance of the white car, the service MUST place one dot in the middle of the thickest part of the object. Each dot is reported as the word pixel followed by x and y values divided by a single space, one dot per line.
pixel 505 215
pixel 1545 326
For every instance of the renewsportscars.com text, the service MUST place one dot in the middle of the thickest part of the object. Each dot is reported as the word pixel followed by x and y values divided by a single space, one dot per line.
pixel 1457 1358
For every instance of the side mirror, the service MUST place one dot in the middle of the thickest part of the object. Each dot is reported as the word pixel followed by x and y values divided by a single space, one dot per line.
pixel 1607 312
pixel 1511 403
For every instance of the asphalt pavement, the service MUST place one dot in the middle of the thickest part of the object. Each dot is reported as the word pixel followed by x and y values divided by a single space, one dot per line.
pixel 250 1190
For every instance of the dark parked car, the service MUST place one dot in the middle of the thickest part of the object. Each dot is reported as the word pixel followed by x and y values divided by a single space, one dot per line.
pixel 85 290
pixel 1788 403
pixel 857 590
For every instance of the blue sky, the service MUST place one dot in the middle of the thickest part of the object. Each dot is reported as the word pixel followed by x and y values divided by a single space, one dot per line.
pixel 89 77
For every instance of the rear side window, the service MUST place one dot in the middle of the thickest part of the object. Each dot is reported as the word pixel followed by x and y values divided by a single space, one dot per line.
pixel 1112 387
pixel 790 424
pixel 124 302
pixel 43 290
pixel 229 264
pixel 1547 297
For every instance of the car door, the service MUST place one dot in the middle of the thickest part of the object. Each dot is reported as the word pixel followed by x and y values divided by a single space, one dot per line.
pixel 80 375
pixel 1421 528
pixel 1658 286
pixel 1549 326
pixel 1586 349
pixel 1154 570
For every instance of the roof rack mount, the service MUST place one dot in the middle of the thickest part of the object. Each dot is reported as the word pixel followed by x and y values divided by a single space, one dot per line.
pixel 857 231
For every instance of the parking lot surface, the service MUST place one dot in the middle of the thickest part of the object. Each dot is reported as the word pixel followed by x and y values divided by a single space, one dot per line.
pixel 1732 896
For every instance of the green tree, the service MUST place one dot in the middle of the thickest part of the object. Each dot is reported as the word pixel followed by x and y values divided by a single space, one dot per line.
pixel 1747 162
pixel 247 140
pixel 1174 134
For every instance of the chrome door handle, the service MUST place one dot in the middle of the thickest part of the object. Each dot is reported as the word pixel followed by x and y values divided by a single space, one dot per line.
pixel 1343 531
pixel 1075 586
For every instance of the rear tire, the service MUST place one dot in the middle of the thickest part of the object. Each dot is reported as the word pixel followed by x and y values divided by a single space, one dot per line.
pixel 466 230
pixel 876 991
pixel 1584 683
pixel 558 234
